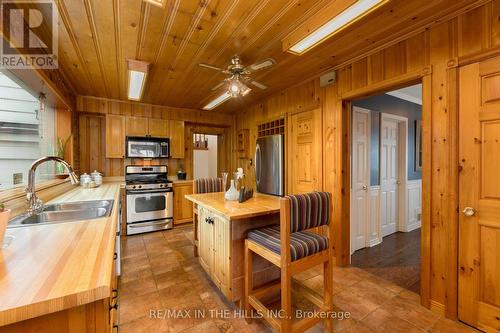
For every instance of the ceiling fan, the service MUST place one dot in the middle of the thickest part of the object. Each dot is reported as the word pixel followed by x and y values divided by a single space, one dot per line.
pixel 239 77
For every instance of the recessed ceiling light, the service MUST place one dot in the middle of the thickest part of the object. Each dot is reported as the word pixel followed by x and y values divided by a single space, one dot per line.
pixel 137 73
pixel 217 101
pixel 348 16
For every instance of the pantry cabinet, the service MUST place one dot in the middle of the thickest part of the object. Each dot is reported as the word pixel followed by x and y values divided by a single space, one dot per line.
pixel 115 136
pixel 176 134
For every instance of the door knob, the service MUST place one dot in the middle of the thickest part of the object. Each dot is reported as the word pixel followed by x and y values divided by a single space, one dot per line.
pixel 469 211
pixel 398 182
pixel 365 187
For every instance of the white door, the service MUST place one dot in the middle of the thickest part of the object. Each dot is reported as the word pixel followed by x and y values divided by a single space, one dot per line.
pixel 360 177
pixel 389 134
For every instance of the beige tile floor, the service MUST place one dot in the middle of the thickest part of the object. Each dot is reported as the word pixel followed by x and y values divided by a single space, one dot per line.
pixel 159 272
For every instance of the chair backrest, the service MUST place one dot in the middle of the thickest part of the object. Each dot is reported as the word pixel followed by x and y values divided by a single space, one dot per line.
pixel 207 185
pixel 309 210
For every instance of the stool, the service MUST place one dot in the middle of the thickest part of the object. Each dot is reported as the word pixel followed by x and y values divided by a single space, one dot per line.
pixel 292 248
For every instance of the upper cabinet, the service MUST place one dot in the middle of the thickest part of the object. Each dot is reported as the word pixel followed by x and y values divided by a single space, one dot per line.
pixel 305 152
pixel 176 135
pixel 140 126
pixel 158 128
pixel 115 136
pixel 137 126
pixel 118 127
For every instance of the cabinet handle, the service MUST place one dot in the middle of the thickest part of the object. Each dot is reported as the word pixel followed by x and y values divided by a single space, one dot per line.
pixel 115 256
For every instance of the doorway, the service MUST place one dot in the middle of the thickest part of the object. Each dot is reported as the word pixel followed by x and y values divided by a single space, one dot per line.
pixel 386 185
pixel 205 157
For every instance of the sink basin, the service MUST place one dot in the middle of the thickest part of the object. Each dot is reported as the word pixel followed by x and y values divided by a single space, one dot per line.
pixel 81 205
pixel 66 212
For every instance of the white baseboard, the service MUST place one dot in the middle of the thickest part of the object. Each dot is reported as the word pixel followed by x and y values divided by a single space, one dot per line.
pixel 374 242
pixel 413 206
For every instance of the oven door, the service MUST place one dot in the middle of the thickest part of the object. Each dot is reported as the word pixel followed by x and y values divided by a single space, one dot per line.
pixel 149 205
pixel 143 149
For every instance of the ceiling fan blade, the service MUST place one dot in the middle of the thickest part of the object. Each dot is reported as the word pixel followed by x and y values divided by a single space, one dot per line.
pixel 211 67
pixel 259 85
pixel 218 86
pixel 263 64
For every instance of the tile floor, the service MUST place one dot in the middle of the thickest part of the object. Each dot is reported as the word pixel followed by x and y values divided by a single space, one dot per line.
pixel 159 272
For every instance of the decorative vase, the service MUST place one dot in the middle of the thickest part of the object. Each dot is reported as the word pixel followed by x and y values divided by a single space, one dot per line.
pixel 4 219
pixel 232 194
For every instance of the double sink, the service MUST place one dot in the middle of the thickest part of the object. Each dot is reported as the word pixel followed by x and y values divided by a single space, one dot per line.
pixel 65 212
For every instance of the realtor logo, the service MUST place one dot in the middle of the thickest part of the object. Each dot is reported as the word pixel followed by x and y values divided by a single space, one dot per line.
pixel 29 34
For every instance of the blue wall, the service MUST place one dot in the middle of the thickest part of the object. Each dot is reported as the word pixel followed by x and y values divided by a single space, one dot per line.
pixel 393 105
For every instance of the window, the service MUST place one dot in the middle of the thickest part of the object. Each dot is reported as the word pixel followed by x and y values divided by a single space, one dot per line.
pixel 26 133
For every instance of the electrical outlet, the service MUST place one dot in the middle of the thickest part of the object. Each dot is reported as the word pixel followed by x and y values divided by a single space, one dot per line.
pixel 17 178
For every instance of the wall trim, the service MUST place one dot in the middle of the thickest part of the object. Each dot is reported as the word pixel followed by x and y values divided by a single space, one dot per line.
pixel 412 186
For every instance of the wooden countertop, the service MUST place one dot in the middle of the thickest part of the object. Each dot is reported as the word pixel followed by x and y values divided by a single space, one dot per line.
pixel 260 204
pixel 49 268
pixel 183 182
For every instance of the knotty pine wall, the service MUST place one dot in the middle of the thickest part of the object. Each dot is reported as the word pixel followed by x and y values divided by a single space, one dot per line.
pixel 92 133
pixel 431 56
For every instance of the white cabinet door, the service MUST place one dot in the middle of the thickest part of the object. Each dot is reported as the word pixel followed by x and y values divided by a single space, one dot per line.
pixel 360 177
pixel 389 134
pixel 222 243
pixel 205 241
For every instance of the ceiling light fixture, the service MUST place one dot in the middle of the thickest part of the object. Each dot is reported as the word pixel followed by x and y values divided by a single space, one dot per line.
pixel 159 3
pixel 343 17
pixel 236 88
pixel 137 74
pixel 217 101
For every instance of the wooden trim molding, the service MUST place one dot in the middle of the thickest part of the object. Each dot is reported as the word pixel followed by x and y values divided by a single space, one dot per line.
pixel 425 238
pixel 424 75
pixel 396 82
pixel 437 307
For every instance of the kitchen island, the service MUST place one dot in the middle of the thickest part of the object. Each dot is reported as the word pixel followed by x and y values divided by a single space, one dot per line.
pixel 62 274
pixel 222 230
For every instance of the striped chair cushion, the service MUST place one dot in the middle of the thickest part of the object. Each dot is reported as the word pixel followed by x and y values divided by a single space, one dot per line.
pixel 302 243
pixel 309 210
pixel 208 185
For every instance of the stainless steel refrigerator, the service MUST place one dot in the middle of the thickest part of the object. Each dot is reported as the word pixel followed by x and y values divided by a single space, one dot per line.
pixel 270 165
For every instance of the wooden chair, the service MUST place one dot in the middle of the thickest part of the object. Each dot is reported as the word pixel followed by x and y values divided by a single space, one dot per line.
pixel 294 249
pixel 203 185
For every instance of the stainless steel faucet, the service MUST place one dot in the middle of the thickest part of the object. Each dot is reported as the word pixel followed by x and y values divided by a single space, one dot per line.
pixel 34 203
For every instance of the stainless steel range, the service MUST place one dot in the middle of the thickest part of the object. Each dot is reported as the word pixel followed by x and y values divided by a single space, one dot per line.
pixel 149 199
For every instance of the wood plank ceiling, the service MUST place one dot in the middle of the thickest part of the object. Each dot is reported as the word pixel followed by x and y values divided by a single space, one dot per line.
pixel 96 37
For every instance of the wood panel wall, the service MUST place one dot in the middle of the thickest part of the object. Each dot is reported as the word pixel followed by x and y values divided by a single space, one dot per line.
pixel 92 125
pixel 432 57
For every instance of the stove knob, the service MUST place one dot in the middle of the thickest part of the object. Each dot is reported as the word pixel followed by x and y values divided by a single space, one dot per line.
pixel 162 185
pixel 140 186
pixel 133 186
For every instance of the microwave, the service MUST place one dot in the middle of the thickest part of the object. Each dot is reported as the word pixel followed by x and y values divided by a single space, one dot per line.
pixel 147 147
